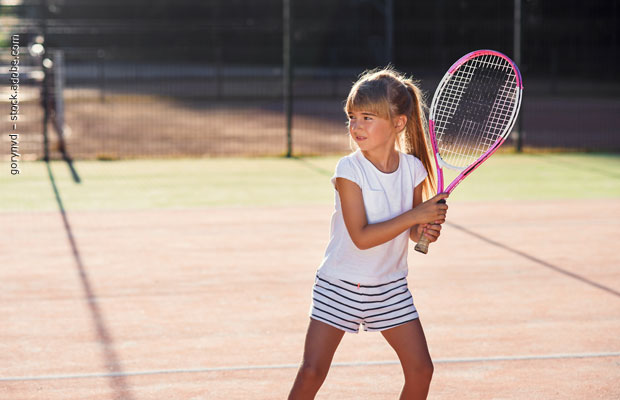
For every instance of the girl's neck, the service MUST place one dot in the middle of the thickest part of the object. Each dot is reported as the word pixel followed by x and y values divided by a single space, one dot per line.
pixel 385 160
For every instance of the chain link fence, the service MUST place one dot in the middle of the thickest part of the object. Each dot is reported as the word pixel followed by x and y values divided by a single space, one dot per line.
pixel 156 79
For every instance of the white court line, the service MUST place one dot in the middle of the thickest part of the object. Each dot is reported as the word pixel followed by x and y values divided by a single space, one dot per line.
pixel 290 366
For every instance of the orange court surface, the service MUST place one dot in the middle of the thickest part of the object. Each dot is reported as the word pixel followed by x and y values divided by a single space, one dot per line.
pixel 213 303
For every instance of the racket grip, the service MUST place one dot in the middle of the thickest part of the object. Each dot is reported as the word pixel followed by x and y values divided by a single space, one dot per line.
pixel 422 245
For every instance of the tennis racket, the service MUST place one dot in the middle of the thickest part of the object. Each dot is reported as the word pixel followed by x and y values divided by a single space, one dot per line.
pixel 472 113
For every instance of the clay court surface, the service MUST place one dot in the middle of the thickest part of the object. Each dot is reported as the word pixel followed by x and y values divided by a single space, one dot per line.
pixel 212 303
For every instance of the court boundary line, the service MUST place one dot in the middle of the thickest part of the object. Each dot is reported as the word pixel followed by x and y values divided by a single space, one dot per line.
pixel 561 356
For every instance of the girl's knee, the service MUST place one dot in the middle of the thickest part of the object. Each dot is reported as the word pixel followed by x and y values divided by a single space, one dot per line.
pixel 309 379
pixel 311 372
pixel 422 370
pixel 429 369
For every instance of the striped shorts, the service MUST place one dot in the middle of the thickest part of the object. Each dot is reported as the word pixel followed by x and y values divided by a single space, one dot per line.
pixel 345 305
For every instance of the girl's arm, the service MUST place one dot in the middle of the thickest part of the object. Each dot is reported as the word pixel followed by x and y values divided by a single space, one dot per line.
pixel 365 235
pixel 432 231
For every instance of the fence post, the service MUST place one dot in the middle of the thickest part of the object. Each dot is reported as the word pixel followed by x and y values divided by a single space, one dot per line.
pixel 287 81
pixel 389 31
pixel 517 58
pixel 101 55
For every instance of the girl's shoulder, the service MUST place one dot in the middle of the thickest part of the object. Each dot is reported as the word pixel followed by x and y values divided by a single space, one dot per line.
pixel 351 159
pixel 416 168
pixel 354 155
pixel 412 161
pixel 349 167
pixel 410 157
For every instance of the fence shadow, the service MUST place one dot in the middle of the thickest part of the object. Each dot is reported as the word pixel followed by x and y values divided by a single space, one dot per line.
pixel 118 383
pixel 537 261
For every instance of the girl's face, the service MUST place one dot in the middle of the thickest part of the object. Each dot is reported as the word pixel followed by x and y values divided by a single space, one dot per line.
pixel 371 131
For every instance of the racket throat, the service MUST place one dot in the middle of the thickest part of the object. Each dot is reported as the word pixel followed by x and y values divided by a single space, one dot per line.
pixel 443 164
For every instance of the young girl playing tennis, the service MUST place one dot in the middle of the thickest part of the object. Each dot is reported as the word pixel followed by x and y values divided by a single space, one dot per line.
pixel 379 207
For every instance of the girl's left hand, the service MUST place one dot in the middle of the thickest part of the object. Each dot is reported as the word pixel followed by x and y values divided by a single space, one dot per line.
pixel 432 231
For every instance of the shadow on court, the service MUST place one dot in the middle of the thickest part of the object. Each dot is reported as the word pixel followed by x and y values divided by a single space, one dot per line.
pixel 536 260
pixel 118 383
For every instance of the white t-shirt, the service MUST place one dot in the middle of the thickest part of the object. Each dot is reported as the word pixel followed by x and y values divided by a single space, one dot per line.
pixel 385 197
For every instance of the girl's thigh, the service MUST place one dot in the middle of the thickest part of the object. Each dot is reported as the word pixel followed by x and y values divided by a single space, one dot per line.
pixel 321 343
pixel 409 342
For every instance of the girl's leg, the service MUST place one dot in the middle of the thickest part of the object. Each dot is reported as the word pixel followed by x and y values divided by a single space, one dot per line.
pixel 410 344
pixel 321 343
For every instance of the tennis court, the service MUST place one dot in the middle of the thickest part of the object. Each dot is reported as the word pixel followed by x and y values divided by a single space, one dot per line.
pixel 165 199
pixel 178 284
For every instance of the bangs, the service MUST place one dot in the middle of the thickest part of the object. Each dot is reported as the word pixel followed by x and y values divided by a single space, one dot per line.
pixel 369 96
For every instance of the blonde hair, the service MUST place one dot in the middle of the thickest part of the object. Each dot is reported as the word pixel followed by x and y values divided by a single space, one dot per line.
pixel 388 94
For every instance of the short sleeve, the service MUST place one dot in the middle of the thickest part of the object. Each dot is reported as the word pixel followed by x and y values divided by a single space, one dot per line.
pixel 346 170
pixel 419 172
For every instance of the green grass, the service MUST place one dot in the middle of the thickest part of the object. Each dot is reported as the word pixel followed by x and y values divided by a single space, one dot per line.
pixel 189 183
pixel 543 177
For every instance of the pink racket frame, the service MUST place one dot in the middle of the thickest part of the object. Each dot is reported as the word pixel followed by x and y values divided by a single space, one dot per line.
pixel 492 149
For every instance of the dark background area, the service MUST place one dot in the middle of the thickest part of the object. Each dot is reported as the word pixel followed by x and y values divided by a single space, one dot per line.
pixel 571 38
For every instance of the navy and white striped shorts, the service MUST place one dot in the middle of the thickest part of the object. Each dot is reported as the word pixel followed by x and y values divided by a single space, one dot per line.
pixel 346 305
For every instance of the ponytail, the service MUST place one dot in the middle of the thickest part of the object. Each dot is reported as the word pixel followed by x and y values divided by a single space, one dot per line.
pixel 415 139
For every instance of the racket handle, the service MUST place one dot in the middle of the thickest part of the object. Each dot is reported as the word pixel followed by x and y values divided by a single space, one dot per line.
pixel 422 245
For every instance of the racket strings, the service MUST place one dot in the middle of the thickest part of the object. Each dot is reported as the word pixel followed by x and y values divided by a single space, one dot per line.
pixel 474 109
pixel 471 141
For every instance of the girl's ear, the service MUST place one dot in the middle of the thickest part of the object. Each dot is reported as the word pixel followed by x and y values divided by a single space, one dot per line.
pixel 400 122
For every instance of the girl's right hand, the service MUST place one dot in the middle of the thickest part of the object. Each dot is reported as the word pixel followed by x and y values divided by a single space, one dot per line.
pixel 431 211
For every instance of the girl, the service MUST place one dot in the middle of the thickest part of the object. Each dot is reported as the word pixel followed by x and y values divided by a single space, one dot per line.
pixel 379 189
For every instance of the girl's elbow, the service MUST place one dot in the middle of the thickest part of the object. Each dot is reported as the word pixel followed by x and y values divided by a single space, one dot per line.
pixel 360 239
pixel 361 244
